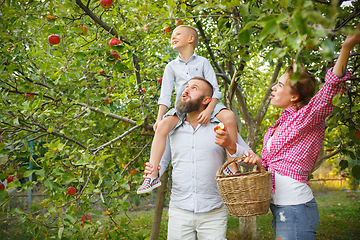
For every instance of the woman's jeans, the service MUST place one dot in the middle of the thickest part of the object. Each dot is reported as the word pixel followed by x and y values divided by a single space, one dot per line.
pixel 295 222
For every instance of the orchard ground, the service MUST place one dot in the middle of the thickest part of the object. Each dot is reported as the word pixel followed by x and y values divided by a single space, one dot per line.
pixel 339 210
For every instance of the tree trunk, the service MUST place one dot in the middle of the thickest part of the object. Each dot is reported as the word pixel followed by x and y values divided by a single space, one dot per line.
pixel 160 198
pixel 247 228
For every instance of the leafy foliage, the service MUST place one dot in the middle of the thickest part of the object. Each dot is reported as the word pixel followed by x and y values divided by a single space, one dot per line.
pixel 88 127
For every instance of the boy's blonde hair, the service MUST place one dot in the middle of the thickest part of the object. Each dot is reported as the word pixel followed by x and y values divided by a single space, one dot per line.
pixel 192 32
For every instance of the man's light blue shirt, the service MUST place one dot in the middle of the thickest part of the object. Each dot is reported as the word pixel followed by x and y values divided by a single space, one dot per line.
pixel 195 160
pixel 178 73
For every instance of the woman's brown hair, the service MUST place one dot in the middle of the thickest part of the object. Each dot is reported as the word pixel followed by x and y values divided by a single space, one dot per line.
pixel 305 87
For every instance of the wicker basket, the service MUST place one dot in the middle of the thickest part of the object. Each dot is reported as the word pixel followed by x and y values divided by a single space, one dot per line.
pixel 245 194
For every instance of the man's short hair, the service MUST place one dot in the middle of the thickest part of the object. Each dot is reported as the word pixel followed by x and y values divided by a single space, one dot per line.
pixel 211 92
pixel 192 32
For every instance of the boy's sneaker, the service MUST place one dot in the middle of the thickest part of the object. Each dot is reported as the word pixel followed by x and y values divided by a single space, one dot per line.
pixel 148 185
pixel 228 171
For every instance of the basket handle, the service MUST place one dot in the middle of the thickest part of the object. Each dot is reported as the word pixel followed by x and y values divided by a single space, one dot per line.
pixel 221 169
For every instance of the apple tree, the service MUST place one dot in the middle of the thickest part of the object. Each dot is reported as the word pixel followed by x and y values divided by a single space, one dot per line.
pixel 80 81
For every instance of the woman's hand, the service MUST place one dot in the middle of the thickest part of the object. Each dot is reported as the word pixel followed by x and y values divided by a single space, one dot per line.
pixel 251 158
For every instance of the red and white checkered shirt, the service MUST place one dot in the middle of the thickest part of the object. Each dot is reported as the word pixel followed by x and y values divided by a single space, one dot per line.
pixel 296 144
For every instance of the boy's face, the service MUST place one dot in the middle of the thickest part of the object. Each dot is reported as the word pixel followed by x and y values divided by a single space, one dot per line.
pixel 181 37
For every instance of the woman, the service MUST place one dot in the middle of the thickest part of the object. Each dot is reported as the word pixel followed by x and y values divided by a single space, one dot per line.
pixel 292 145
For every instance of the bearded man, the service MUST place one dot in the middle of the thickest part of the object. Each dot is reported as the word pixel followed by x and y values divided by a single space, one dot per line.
pixel 197 152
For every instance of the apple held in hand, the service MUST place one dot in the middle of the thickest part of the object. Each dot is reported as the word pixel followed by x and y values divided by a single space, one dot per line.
pixel 71 191
pixel 54 39
pixel 114 41
pixel 106 4
pixel 219 127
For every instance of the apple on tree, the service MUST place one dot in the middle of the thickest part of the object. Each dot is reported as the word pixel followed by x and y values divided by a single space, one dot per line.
pixel 179 22
pixel 107 101
pixel 10 179
pixel 159 80
pixel 106 4
pixel 54 39
pixel 102 71
pixel 114 41
pixel 2 186
pixel 143 90
pixel 71 191
pixel 166 29
pixel 357 135
pixel 84 29
pixel 220 127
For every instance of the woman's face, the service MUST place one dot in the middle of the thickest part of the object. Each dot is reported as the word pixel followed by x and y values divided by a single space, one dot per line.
pixel 281 95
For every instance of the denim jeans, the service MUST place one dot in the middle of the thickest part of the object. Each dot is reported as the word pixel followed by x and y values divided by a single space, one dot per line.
pixel 295 222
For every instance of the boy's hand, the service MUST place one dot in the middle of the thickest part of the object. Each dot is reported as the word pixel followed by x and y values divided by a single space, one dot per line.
pixel 149 169
pixel 156 125
pixel 204 117
pixel 251 158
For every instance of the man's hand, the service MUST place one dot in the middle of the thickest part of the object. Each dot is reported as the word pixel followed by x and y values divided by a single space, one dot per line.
pixel 223 139
pixel 204 116
pixel 251 158
pixel 149 169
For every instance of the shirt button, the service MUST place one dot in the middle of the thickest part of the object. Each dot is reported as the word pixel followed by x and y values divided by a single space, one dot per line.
pixel 187 73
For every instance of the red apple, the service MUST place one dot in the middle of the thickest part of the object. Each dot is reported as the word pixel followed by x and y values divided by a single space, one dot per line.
pixel 10 179
pixel 54 39
pixel 84 29
pixel 27 95
pixel 114 41
pixel 71 191
pixel 19 176
pixel 343 175
pixel 277 115
pixel 357 135
pixel 106 3
pixel 2 186
pixel 102 71
pixel 159 80
pixel 166 29
pixel 107 101
pixel 179 22
pixel 86 218
pixel 116 56
pixel 105 235
pixel 133 171
pixel 143 90
pixel 220 127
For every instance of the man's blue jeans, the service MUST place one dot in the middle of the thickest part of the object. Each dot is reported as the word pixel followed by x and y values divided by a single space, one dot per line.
pixel 295 222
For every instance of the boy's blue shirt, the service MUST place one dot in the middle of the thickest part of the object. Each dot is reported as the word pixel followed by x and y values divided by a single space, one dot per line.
pixel 178 73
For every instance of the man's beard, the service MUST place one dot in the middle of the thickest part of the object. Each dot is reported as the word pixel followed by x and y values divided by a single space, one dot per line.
pixel 190 106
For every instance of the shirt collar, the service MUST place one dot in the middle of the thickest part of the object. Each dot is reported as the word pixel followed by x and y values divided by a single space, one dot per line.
pixel 286 113
pixel 192 57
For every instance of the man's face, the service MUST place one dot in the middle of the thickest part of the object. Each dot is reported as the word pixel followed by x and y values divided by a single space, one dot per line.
pixel 192 97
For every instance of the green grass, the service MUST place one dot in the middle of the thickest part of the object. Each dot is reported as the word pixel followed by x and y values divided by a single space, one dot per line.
pixel 339 219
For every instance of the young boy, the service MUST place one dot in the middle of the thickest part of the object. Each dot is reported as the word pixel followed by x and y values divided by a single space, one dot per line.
pixel 184 39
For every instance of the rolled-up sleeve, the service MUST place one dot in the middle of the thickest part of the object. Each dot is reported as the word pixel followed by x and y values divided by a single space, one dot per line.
pixel 167 86
pixel 209 74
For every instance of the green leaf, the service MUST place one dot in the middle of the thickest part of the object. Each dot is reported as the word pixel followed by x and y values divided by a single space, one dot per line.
pixel 222 23
pixel 328 50
pixel 60 232
pixel 50 130
pixel 244 37
pixel 284 3
pixel 336 99
pixel 28 173
pixel 343 164
pixel 355 108
pixel 269 28
pixel 55 29
pixel 356 171
pixel 3 158
pixel 80 55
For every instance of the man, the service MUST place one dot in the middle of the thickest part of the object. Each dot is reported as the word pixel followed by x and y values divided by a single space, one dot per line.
pixel 197 152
